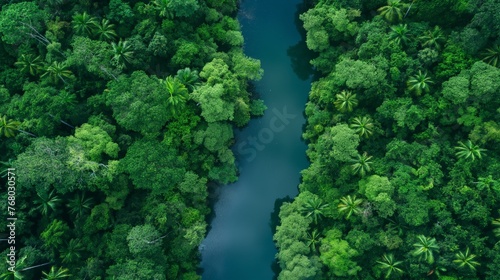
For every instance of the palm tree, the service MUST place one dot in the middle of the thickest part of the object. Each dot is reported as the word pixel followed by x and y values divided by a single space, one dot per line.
pixel 314 208
pixel 425 247
pixel 71 252
pixel 122 53
pixel 47 202
pixel 83 24
pixel 492 56
pixel 105 30
pixel 313 239
pixel 177 94
pixel 164 7
pixel 466 259
pixel 56 71
pixel 361 164
pixel 8 127
pixel 487 183
pixel 468 150
pixel 419 83
pixel 433 38
pixel 399 34
pixel 79 205
pixel 351 205
pixel 54 273
pixel 390 265
pixel 496 231
pixel 363 126
pixel 392 12
pixel 19 267
pixel 346 101
pixel 188 78
pixel 6 165
pixel 30 64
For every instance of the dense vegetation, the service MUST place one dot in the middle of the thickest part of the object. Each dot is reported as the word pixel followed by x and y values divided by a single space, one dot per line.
pixel 117 117
pixel 403 131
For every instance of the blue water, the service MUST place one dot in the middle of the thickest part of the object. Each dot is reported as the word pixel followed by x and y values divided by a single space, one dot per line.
pixel 269 151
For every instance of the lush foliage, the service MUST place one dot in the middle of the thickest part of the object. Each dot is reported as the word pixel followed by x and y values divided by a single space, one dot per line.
pixel 403 132
pixel 117 117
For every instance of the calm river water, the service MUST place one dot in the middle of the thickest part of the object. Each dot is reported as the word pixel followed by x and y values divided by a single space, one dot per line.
pixel 269 151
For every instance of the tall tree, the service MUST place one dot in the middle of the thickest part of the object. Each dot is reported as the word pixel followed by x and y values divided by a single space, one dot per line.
pixel 56 273
pixel 419 83
pixel 425 247
pixel 350 205
pixel 469 150
pixel 361 164
pixel 28 63
pixel 104 31
pixel 466 259
pixel 433 38
pixel 47 202
pixel 345 101
pixel 492 56
pixel 122 53
pixel 314 208
pixel 58 71
pixel 84 24
pixel 389 264
pixel 399 34
pixel 9 127
pixel 363 126
pixel 392 12
pixel 177 94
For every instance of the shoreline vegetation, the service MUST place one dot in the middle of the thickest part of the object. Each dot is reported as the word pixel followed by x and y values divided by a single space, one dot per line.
pixel 118 118
pixel 403 132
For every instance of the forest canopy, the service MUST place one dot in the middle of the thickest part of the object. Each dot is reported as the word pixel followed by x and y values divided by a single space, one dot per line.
pixel 117 117
pixel 403 134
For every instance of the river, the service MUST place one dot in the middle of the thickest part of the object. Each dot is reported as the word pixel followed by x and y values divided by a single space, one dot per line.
pixel 269 151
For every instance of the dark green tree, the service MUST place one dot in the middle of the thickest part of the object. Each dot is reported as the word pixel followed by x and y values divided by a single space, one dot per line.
pixel 84 24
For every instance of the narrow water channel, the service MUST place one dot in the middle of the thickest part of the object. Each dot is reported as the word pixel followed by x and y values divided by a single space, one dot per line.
pixel 269 151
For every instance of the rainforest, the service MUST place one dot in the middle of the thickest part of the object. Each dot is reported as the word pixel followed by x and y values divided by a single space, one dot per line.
pixel 250 140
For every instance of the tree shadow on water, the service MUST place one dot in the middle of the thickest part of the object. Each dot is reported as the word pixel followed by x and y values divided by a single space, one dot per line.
pixel 275 220
pixel 299 54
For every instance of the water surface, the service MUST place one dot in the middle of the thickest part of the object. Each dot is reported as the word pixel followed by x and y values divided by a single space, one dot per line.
pixel 269 151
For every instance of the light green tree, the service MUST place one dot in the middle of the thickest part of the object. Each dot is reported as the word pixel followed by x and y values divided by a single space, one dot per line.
pixel 425 248
pixel 28 63
pixel 9 127
pixel 363 126
pixel 419 83
pixel 122 53
pixel 314 208
pixel 390 265
pixel 345 101
pixel 361 164
pixel 56 273
pixel 466 259
pixel 392 12
pixel 58 71
pixel 104 31
pixel 350 205
pixel 433 38
pixel 338 255
pixel 177 94
pixel 469 150
pixel 399 34
pixel 84 24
